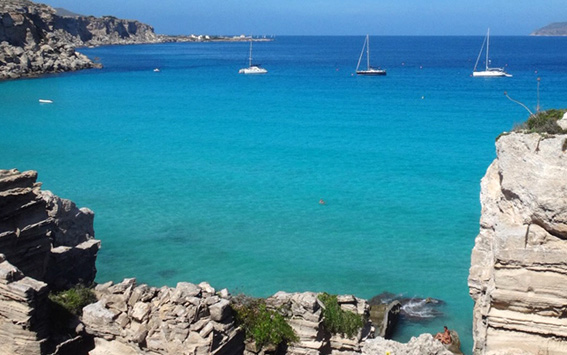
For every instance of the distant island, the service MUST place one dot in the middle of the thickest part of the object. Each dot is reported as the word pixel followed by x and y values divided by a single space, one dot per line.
pixel 554 29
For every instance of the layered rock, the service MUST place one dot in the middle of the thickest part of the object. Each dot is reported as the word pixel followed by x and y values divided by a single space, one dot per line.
pixel 194 319
pixel 138 319
pixel 518 274
pixel 46 243
pixel 305 313
pixel 48 238
pixel 23 312
pixel 34 40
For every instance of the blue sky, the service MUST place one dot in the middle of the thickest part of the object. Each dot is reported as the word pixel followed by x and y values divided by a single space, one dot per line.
pixel 330 17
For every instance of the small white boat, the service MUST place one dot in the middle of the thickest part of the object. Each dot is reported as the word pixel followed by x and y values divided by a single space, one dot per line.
pixel 369 70
pixel 252 68
pixel 45 101
pixel 488 72
pixel 156 70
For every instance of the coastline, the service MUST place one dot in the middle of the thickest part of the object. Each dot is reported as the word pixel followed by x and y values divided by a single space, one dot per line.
pixel 32 45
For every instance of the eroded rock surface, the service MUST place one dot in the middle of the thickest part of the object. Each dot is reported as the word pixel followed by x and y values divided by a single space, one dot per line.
pixel 34 40
pixel 518 274
pixel 45 243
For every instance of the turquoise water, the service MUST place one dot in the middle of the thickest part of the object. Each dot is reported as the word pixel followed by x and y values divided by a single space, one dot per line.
pixel 197 173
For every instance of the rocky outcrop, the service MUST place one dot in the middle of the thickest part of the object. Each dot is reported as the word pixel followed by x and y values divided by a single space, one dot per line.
pixel 138 319
pixel 195 319
pixel 46 243
pixel 425 344
pixel 23 312
pixel 48 238
pixel 518 274
pixel 305 313
pixel 107 30
pixel 34 40
pixel 553 29
pixel 30 43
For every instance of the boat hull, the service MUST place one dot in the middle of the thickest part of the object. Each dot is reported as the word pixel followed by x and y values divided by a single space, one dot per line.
pixel 491 73
pixel 252 70
pixel 373 72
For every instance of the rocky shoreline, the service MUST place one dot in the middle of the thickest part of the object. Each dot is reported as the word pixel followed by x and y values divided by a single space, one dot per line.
pixel 517 278
pixel 35 40
pixel 47 244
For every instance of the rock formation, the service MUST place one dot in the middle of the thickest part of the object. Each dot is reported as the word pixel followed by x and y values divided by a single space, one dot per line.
pixel 306 318
pixel 518 274
pixel 422 345
pixel 46 243
pixel 553 29
pixel 138 319
pixel 23 312
pixel 195 319
pixel 34 40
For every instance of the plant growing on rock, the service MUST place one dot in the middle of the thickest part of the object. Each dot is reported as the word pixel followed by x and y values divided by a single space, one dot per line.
pixel 74 299
pixel 262 325
pixel 543 122
pixel 338 321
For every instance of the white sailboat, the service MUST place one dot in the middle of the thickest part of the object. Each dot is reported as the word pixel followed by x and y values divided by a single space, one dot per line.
pixel 252 68
pixel 369 70
pixel 488 72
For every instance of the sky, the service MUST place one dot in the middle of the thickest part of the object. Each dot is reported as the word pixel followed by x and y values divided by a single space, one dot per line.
pixel 329 17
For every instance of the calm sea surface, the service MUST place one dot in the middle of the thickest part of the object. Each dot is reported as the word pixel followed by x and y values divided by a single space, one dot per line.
pixel 198 173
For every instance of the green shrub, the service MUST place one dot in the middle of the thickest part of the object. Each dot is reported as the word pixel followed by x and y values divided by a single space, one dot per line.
pixel 74 299
pixel 338 321
pixel 543 122
pixel 262 325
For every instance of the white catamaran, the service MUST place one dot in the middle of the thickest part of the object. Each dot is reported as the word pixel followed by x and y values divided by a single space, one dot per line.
pixel 490 72
pixel 252 68
pixel 369 70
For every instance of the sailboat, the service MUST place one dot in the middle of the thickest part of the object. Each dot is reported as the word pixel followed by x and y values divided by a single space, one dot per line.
pixel 369 70
pixel 252 68
pixel 490 72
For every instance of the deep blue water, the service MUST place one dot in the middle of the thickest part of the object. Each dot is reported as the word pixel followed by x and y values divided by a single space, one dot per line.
pixel 198 173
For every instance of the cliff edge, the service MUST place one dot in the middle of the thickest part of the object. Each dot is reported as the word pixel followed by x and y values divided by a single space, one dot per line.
pixel 46 243
pixel 34 40
pixel 518 274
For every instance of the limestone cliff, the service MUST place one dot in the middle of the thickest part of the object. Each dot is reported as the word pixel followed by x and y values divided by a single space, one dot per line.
pixel 34 40
pixel 45 243
pixel 518 274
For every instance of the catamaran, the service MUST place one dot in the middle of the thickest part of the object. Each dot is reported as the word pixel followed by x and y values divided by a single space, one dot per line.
pixel 369 70
pixel 252 68
pixel 490 72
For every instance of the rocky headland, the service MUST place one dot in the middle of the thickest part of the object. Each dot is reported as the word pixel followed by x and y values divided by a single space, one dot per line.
pixel 518 274
pixel 36 39
pixel 553 29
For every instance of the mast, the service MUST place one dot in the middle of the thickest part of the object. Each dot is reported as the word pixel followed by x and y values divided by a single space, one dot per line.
pixel 479 54
pixel 487 46
pixel 367 53
pixel 361 54
pixel 250 57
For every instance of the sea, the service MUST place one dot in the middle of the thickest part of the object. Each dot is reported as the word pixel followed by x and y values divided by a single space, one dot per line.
pixel 197 173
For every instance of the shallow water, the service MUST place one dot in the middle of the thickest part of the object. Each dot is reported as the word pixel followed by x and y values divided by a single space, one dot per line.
pixel 197 173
